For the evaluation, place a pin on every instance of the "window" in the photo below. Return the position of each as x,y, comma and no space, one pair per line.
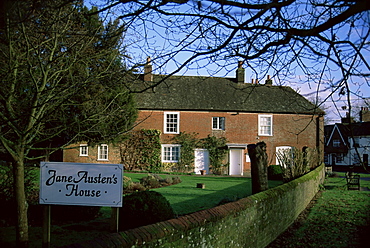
170,153
84,150
339,158
218,123
265,125
171,122
103,152
336,142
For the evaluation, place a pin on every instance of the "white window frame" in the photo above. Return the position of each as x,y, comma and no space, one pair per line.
220,125
101,156
260,125
165,123
84,150
171,151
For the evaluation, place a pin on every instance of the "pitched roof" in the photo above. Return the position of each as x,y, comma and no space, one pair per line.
222,94
358,129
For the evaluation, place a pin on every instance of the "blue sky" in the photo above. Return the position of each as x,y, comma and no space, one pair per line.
160,42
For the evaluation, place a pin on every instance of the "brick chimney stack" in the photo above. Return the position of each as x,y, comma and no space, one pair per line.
268,80
364,114
148,76
240,73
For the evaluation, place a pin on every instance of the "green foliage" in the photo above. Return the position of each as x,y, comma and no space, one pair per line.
142,150
7,194
144,208
127,182
217,152
150,181
188,142
62,214
274,172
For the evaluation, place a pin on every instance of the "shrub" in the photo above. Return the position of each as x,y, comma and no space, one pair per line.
150,181
134,187
176,180
61,213
275,172
167,181
144,208
127,182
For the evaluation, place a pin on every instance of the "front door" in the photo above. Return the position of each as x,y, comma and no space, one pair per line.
236,161
201,160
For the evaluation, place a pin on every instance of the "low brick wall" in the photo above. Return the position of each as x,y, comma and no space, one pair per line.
254,221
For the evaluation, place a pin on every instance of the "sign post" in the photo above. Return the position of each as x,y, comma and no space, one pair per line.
82,185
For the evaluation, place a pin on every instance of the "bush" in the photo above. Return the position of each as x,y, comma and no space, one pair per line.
144,208
134,187
61,213
127,182
151,181
275,172
176,180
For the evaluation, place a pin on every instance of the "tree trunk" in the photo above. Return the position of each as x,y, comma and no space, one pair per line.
21,203
258,156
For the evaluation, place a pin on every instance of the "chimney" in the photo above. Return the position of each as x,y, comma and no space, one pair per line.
240,73
348,119
148,76
268,81
364,114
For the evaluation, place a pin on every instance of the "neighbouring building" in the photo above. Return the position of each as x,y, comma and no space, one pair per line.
243,113
348,143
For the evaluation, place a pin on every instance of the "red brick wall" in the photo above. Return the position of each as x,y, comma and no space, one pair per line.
240,128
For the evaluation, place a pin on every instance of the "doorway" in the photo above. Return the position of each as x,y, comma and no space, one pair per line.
236,161
201,161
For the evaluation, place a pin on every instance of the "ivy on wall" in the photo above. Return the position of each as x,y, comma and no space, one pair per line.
142,150
217,152
188,142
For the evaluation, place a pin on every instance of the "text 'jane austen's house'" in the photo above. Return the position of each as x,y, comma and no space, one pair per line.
243,113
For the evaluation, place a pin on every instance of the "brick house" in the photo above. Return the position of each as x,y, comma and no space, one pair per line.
243,113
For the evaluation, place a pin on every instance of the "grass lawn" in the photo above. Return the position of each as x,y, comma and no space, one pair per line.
187,198
339,218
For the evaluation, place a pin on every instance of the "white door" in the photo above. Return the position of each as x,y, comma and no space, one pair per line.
201,161
236,161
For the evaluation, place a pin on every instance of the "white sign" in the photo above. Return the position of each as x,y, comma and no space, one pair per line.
81,184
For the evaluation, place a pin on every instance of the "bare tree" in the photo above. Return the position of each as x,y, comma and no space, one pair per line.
319,44
61,79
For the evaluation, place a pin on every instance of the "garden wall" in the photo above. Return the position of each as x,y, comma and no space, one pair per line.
254,221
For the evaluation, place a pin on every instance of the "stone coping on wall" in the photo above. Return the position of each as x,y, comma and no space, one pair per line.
174,228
